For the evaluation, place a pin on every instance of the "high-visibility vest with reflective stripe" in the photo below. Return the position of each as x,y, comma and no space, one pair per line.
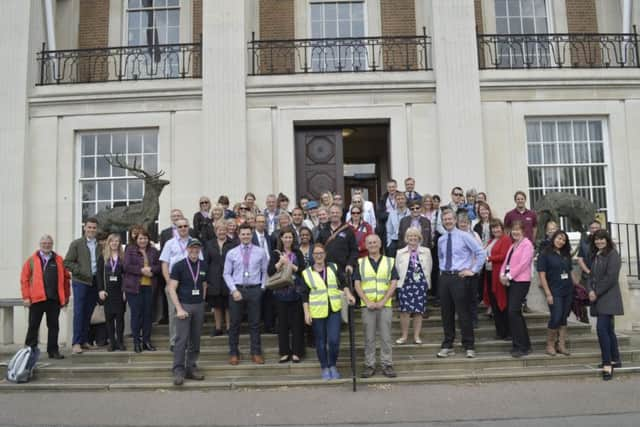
375,284
322,294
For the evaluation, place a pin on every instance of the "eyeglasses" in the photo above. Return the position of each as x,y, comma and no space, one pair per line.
242,208
183,226
318,253
458,194
355,212
415,208
204,203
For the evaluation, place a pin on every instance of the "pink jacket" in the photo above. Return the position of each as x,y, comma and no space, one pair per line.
520,262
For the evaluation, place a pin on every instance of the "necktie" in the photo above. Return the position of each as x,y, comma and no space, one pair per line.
246,254
449,253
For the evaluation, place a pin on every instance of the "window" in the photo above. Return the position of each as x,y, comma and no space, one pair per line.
151,23
333,20
104,186
567,155
517,17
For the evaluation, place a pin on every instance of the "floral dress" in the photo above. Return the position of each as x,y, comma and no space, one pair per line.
413,293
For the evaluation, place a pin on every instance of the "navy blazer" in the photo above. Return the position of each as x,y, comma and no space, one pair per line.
255,241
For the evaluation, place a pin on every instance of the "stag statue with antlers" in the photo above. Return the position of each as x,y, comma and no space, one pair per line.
119,219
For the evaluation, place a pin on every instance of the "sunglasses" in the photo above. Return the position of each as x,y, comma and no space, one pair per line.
355,212
415,208
183,226
243,209
204,203
458,194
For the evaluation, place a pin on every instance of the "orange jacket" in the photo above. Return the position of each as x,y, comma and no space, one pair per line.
32,282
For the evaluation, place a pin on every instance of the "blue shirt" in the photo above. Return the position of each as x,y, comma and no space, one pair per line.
393,224
467,254
558,272
235,272
92,245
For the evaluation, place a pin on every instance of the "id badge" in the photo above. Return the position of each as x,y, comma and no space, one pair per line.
113,278
246,274
195,292
564,276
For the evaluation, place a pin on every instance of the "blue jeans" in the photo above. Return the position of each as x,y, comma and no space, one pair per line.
85,298
559,311
141,304
327,333
607,339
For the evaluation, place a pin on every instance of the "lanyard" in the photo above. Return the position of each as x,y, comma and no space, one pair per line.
196,275
246,256
113,264
183,249
45,261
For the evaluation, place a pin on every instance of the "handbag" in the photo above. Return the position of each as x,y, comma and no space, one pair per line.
98,316
282,278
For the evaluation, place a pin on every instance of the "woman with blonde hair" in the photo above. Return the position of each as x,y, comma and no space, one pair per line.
413,263
326,199
109,278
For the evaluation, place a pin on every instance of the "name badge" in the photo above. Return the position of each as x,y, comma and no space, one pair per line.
195,292
113,278
246,274
564,276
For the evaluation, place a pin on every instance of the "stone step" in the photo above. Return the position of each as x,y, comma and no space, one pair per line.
159,369
453,376
219,352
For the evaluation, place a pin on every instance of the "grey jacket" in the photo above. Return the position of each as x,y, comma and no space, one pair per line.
78,261
604,282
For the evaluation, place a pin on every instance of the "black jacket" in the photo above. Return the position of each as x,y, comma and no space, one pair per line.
214,258
343,249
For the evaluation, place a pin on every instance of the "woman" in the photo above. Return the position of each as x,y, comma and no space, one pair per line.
604,294
549,230
361,229
217,291
232,228
288,300
482,228
322,302
306,245
326,199
217,213
202,221
515,273
133,233
413,263
427,207
495,294
224,202
110,290
554,269
283,203
250,202
141,271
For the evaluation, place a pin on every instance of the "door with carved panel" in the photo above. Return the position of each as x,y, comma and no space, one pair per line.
319,162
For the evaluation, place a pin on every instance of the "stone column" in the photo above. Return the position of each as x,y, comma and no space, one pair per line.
459,115
224,71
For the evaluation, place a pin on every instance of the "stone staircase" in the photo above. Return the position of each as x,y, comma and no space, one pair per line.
102,370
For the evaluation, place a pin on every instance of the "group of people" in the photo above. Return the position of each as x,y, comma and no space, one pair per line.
409,248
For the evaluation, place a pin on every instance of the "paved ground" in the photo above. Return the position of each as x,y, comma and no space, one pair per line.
548,403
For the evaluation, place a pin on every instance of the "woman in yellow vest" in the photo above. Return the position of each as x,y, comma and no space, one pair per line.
322,305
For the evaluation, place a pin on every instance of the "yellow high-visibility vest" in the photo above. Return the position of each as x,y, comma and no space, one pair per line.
375,284
322,294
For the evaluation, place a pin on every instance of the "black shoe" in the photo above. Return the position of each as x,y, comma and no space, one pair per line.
122,347
606,376
171,348
178,379
517,354
368,372
217,333
526,309
388,372
163,321
194,374
55,355
111,347
148,347
137,348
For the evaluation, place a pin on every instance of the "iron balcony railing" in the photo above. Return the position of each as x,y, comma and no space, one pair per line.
627,240
574,50
339,55
162,61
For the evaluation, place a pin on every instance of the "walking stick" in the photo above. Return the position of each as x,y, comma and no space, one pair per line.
352,335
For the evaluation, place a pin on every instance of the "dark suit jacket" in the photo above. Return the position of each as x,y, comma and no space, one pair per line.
255,241
214,258
167,234
405,223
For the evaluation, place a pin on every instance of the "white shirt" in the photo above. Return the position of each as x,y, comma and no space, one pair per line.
92,244
175,250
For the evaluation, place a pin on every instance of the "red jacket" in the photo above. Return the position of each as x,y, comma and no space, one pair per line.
32,282
497,257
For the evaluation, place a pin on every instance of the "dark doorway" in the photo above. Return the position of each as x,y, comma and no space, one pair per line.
341,158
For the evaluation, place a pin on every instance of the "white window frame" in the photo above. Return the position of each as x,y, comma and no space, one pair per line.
365,15
78,167
606,164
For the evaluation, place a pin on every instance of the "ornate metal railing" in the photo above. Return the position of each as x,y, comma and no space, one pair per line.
575,50
627,239
339,55
167,61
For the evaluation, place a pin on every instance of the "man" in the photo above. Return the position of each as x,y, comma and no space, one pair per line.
585,256
521,213
187,290
297,221
386,205
368,213
375,281
261,239
460,257
338,200
171,231
312,214
409,190
323,220
44,283
415,219
174,250
437,230
245,273
457,200
81,261
393,223
339,241
271,213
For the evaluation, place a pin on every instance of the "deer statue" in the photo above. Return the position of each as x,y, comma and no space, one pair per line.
578,211
119,219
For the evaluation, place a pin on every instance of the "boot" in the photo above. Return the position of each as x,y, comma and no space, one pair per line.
551,341
562,341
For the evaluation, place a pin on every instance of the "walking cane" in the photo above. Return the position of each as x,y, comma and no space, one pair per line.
352,334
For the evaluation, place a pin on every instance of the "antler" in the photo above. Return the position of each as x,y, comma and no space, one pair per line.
120,162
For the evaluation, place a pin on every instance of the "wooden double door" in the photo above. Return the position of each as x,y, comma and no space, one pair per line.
319,161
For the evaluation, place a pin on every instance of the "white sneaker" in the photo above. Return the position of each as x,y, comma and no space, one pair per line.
471,354
445,352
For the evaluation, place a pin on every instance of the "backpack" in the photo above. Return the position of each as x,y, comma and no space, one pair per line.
20,368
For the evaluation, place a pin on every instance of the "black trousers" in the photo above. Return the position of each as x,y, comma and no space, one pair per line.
269,311
290,328
435,271
115,327
52,309
516,293
454,299
250,303
500,318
